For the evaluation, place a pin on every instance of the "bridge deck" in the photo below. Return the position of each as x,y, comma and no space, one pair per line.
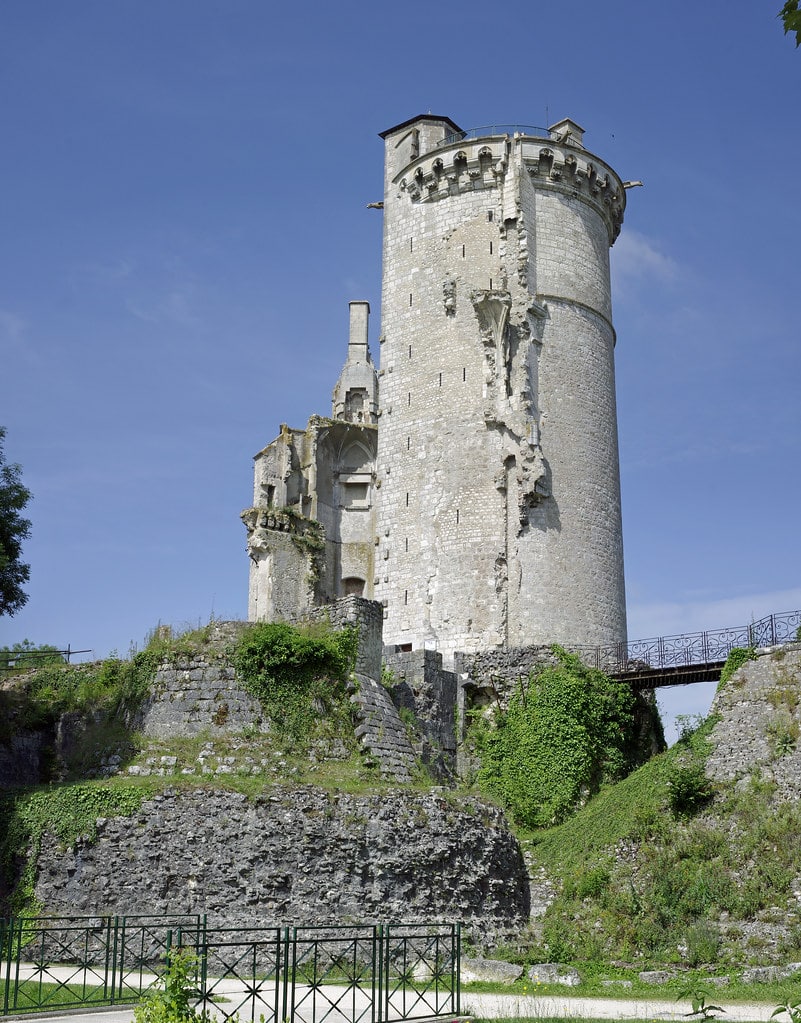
682,675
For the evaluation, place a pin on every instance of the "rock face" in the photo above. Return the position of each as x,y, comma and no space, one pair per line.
297,855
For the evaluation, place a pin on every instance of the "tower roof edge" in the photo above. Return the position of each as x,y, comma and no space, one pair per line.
414,120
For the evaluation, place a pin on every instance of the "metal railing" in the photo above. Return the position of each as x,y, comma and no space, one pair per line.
334,974
22,660
496,129
694,648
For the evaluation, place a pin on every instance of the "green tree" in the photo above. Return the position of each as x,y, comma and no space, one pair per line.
13,530
791,19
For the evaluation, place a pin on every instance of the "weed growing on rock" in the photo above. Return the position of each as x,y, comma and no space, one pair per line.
738,656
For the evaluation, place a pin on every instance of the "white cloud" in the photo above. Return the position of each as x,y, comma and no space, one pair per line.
12,327
637,259
674,618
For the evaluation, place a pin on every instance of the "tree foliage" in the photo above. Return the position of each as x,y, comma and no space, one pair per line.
13,530
791,19
26,656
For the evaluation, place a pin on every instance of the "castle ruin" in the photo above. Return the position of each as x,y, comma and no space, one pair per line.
471,483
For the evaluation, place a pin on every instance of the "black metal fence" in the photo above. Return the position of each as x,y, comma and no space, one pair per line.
691,648
336,974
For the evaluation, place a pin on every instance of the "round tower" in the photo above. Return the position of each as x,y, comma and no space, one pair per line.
499,500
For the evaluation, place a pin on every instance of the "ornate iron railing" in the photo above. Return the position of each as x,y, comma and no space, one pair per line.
695,648
336,974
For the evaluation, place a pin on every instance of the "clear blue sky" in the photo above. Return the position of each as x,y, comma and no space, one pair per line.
183,200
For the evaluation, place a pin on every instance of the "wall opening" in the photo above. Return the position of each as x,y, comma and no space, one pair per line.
352,586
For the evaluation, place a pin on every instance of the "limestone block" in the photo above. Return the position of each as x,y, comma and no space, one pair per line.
494,971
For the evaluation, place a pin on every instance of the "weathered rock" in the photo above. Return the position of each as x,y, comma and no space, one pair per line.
554,973
494,971
297,855
762,974
654,976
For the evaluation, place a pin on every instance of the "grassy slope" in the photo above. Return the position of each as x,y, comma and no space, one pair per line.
645,882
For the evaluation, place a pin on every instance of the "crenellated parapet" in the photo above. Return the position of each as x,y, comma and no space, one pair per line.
556,163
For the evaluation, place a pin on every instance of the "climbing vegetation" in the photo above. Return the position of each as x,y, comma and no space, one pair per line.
297,673
737,658
565,731
64,813
43,695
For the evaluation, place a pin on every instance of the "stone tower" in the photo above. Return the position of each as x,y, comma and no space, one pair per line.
499,494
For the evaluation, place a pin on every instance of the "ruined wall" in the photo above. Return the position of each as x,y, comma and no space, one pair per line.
366,616
760,722
499,504
420,684
296,855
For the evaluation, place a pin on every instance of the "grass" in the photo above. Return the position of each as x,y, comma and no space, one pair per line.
34,996
592,986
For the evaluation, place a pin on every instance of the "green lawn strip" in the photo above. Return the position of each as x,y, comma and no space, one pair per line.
734,992
33,995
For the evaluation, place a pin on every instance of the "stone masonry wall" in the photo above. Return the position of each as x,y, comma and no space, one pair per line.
760,722
381,731
366,615
491,676
296,855
421,685
200,693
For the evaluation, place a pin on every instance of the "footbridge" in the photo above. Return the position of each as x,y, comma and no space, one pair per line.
692,657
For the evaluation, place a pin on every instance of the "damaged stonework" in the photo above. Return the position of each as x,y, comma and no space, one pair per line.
311,528
286,552
510,352
296,854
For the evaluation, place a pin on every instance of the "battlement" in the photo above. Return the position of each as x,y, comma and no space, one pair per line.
462,164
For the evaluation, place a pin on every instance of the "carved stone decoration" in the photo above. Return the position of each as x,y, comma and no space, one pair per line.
449,297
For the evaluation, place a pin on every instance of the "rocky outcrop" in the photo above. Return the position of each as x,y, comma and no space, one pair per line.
297,855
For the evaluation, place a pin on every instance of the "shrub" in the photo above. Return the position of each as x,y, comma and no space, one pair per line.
170,1002
688,788
736,659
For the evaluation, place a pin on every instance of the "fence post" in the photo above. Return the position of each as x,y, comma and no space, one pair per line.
285,984
457,965
6,933
378,967
204,964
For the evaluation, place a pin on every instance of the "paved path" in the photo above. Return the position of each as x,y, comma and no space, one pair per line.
504,1007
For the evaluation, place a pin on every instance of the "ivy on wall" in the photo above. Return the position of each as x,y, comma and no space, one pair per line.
296,673
566,730
64,813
